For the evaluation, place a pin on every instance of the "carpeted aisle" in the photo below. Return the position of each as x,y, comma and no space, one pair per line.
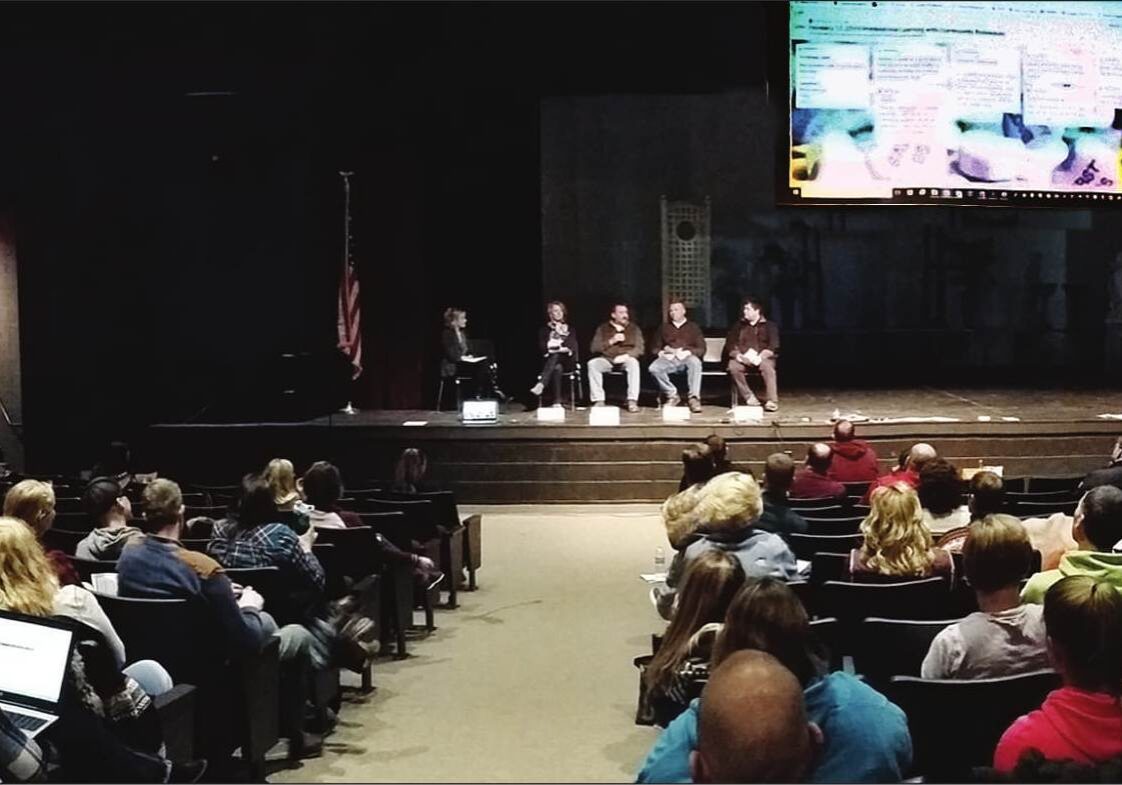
530,680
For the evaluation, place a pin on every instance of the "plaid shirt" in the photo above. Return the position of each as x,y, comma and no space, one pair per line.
268,545
21,760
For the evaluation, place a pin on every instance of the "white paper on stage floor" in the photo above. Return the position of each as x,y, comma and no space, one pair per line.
416,422
1010,419
918,419
1110,416
653,577
472,359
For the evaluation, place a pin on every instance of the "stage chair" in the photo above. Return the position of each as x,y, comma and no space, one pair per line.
893,647
1038,484
712,366
955,725
55,539
480,347
237,700
804,546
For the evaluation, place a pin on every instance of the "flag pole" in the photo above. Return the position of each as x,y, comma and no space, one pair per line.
347,271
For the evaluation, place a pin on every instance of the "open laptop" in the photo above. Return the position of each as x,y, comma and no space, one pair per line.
479,412
34,655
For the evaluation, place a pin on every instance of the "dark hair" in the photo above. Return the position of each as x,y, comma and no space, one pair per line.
902,458
100,497
997,553
450,315
114,461
697,464
256,505
410,470
323,485
1033,767
1102,516
1083,617
818,457
987,494
940,488
754,302
767,615
779,471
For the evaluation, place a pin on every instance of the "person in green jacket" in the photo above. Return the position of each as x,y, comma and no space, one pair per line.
1097,528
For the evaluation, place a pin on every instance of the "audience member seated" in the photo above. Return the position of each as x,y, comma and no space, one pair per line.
710,583
1004,637
864,736
254,538
1097,527
897,543
1081,721
811,481
753,726
410,472
33,502
116,464
111,512
987,497
853,460
907,473
280,476
1035,768
1110,475
96,682
778,517
702,462
679,518
726,514
940,495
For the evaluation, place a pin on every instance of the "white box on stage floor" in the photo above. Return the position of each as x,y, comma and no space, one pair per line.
741,414
603,415
675,414
551,414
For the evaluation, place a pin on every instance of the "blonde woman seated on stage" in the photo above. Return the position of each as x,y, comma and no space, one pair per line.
1005,637
710,583
897,543
726,514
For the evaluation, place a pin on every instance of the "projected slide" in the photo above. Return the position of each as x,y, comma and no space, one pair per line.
907,101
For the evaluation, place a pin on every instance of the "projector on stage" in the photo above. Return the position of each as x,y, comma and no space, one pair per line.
551,414
603,415
743,414
675,414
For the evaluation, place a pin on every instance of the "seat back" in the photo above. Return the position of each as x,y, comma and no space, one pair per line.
955,725
894,647
355,550
269,583
395,526
1024,509
73,521
714,350
833,526
87,567
420,514
805,546
828,634
825,566
856,488
927,598
62,540
445,512
816,503
1038,484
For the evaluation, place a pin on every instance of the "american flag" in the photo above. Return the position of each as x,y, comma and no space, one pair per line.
350,318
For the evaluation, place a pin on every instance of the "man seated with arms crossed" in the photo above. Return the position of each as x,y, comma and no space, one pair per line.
753,342
616,343
680,346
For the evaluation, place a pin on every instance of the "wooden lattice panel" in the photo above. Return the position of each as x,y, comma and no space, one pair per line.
686,248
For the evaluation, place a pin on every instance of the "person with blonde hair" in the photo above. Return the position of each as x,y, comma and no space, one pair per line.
33,502
557,343
1004,637
726,515
456,357
897,543
710,583
280,476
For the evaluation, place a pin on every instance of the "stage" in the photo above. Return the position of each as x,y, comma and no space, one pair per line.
1030,432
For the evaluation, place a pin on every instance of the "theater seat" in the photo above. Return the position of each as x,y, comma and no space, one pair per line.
893,647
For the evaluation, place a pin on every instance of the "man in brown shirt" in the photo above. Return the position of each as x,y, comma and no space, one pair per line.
617,343
680,346
753,342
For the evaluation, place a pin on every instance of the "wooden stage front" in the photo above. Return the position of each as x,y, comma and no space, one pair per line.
1029,432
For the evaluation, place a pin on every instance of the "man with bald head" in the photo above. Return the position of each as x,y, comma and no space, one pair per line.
812,482
854,460
752,725
918,456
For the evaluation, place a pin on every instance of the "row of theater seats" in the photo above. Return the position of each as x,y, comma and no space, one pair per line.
235,703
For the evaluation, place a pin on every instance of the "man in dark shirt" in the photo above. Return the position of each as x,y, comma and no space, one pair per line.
617,343
753,342
1111,475
680,346
811,481
778,517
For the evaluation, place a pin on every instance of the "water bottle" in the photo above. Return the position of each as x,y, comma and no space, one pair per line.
660,560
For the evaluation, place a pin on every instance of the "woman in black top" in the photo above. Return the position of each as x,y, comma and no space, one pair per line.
558,344
458,360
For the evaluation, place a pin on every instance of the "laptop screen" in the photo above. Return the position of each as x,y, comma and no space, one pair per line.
33,659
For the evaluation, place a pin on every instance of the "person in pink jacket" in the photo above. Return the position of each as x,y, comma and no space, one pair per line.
1081,721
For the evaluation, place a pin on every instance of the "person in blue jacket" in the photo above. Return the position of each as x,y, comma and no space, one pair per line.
864,736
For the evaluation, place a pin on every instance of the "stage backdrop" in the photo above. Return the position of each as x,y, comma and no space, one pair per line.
904,294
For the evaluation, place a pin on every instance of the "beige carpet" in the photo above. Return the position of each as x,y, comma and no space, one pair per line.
530,680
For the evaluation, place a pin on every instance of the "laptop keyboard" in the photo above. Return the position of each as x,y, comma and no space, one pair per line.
25,722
